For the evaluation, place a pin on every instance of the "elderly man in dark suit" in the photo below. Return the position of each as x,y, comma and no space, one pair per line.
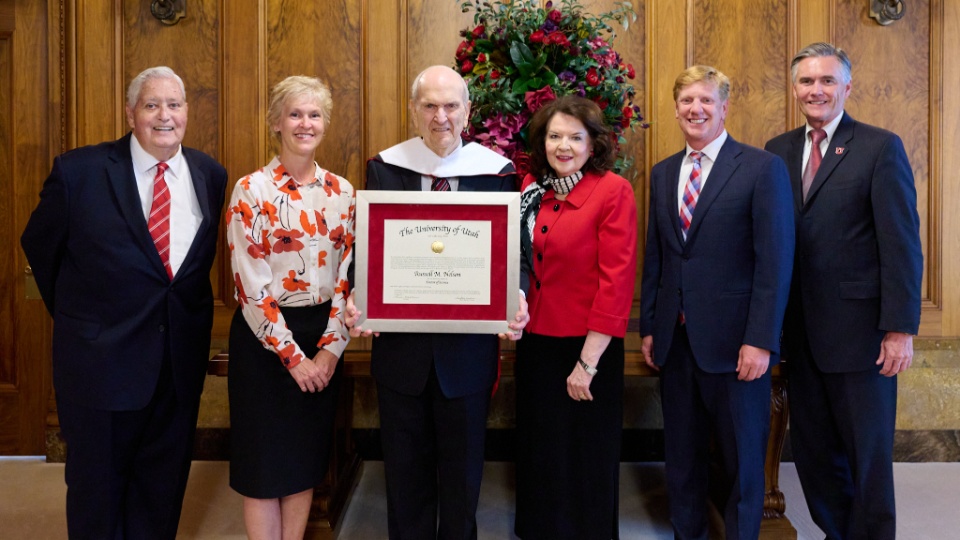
716,274
121,245
434,389
855,301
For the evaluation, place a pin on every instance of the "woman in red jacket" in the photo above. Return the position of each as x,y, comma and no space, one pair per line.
578,237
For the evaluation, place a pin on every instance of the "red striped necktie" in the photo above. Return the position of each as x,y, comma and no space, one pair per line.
159,222
691,193
439,184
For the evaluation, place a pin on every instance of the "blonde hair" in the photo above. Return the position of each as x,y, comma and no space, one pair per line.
296,86
707,74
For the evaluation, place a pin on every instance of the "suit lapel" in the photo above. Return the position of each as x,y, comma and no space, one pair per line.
795,166
123,180
672,182
200,183
727,162
412,181
836,152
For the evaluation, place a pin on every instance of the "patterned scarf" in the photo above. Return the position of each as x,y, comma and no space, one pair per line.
530,207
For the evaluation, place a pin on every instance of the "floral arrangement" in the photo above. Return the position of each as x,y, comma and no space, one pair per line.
520,56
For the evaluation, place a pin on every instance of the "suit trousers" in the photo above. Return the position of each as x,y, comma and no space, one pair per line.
696,406
841,432
126,471
433,449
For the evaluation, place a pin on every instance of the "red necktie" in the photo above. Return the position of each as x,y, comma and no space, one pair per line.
691,192
813,162
439,184
159,222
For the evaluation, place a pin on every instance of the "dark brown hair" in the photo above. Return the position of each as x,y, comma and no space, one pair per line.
590,115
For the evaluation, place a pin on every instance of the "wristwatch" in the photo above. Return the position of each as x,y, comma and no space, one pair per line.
587,367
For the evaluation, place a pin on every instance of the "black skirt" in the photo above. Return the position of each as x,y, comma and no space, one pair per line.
280,437
568,452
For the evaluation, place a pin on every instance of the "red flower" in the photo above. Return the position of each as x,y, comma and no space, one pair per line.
630,71
327,339
271,212
557,38
256,250
287,241
602,103
337,237
477,32
521,161
535,100
593,78
290,188
481,58
241,294
466,67
245,212
555,16
537,37
331,184
288,356
292,284
321,259
270,309
628,112
463,50
494,74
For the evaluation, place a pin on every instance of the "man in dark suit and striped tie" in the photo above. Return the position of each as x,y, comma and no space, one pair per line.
854,303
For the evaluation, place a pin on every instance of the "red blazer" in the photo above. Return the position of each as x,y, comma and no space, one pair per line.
585,259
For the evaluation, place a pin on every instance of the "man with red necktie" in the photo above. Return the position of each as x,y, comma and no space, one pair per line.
854,303
716,273
121,244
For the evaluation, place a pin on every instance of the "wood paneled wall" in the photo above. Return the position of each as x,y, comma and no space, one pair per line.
231,53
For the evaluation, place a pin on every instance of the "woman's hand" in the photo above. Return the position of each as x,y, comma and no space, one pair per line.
326,363
578,383
307,376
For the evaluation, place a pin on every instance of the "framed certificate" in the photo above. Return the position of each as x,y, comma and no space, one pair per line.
437,261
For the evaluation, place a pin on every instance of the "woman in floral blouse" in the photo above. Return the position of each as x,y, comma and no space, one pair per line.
290,230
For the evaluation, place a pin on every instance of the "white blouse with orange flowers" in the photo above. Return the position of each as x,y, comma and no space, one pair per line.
291,245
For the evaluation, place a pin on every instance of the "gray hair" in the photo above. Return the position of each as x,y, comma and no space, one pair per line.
415,88
158,72
818,50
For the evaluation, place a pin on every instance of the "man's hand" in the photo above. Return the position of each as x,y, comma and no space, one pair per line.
646,349
351,318
896,353
752,363
519,322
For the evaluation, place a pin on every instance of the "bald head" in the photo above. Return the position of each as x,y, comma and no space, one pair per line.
440,107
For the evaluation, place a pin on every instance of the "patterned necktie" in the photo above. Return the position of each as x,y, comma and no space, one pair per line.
439,184
813,162
691,192
159,222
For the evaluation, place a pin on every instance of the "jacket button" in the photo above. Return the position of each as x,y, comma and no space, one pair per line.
162,328
556,207
543,229
538,285
539,256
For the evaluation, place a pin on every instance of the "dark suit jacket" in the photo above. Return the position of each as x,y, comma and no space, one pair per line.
115,311
859,265
465,363
732,274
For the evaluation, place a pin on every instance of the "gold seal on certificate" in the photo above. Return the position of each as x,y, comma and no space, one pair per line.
437,247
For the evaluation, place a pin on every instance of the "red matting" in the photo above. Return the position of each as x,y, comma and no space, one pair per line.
495,214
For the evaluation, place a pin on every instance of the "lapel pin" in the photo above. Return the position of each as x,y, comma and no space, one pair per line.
838,150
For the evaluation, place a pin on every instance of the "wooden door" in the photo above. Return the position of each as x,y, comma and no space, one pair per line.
25,150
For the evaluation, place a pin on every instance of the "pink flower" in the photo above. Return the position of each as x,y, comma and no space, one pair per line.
539,98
